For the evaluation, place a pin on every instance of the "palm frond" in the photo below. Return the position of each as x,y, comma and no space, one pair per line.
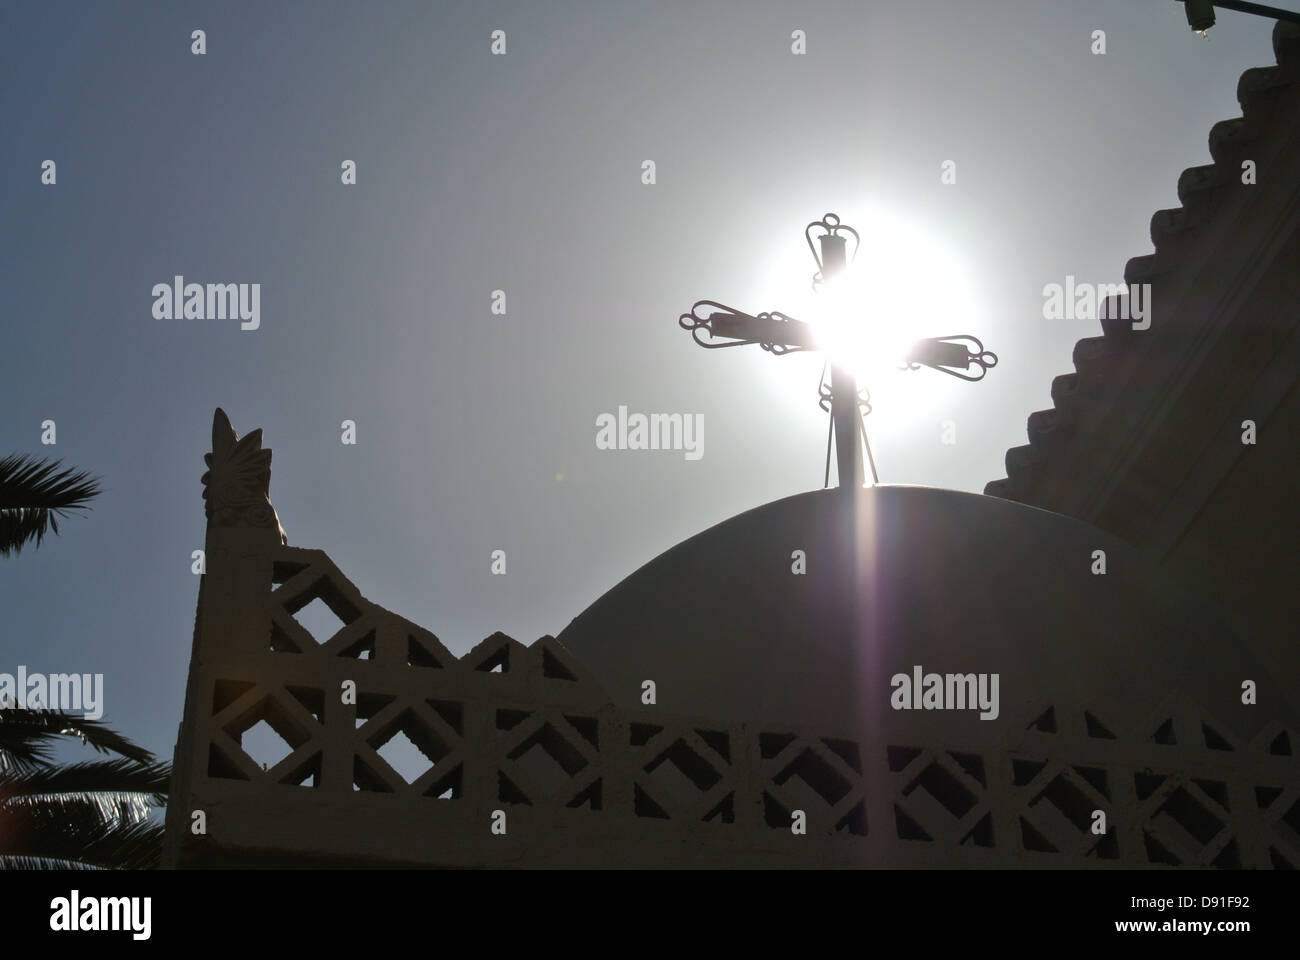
38,833
117,788
34,494
24,862
25,735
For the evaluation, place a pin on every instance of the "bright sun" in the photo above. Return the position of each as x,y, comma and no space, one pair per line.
901,286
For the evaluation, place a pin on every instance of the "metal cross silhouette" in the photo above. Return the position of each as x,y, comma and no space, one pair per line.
846,402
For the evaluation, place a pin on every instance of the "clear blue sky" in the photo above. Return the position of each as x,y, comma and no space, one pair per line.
477,432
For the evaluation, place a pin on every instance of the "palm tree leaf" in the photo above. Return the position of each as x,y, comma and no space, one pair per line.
24,862
34,493
24,736
132,846
141,783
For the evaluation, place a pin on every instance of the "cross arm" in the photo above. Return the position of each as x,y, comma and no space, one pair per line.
772,331
953,355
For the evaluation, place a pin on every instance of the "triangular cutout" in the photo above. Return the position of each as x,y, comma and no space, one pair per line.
448,787
452,713
419,655
1034,840
1147,784
588,797
284,570
1095,778
369,704
718,741
1281,745
776,816
365,777
1096,728
908,829
644,806
1264,796
313,701
1023,771
221,766
304,774
1165,733
507,792
1213,739
724,811
770,744
1046,721
855,821
553,669
1157,852
846,750
972,763
498,661
980,835
361,649
1216,790
281,642
1106,847
588,727
1228,859
642,732
226,692
509,719
900,757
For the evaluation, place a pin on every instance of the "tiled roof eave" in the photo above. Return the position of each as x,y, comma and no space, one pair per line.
1100,445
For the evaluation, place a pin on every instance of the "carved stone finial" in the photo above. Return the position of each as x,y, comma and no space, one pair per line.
237,483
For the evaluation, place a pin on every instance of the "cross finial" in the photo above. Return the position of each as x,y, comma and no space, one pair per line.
779,334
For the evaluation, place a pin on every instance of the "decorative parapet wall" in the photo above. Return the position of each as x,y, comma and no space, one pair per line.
637,787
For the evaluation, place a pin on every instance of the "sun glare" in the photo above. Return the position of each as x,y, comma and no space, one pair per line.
902,285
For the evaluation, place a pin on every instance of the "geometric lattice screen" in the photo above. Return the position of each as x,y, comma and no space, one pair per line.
525,730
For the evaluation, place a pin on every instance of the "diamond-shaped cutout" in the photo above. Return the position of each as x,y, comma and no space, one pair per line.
267,732
404,757
264,745
827,785
944,788
1190,816
682,774
548,758
321,609
1068,800
319,620
408,745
